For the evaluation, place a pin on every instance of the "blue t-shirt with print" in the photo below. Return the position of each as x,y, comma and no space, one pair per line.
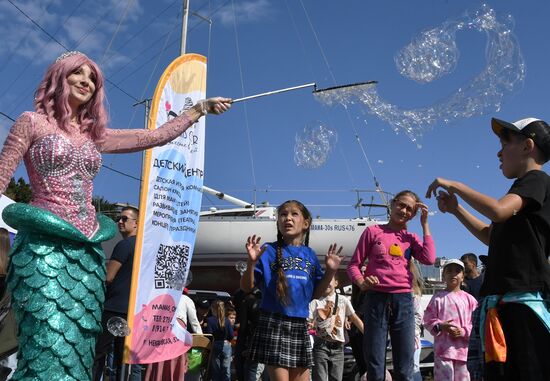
303,273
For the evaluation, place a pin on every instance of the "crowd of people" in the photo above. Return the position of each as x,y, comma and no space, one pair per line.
497,330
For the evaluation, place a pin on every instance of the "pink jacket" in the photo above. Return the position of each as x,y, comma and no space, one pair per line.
458,307
386,254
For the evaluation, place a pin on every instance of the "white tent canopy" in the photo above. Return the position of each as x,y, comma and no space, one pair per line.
5,201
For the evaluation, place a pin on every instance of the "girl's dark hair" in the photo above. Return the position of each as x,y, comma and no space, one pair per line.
282,284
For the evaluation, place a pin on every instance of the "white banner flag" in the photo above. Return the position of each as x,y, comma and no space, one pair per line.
170,202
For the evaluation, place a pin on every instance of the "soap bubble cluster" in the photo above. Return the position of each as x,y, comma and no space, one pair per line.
313,145
241,267
433,55
430,56
118,326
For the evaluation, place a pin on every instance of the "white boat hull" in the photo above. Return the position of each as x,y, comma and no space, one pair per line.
220,243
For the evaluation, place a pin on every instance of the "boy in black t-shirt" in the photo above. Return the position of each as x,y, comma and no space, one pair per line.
517,279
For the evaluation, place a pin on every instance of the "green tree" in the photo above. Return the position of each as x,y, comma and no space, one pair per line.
19,191
105,207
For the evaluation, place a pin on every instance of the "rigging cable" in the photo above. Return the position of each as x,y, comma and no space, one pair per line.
301,41
95,24
102,60
53,38
7,89
66,48
243,93
24,38
103,165
145,26
154,43
352,125
209,20
148,83
158,57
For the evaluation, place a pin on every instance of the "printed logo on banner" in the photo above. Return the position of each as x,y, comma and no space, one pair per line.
189,138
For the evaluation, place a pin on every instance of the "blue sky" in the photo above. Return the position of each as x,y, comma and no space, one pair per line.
259,45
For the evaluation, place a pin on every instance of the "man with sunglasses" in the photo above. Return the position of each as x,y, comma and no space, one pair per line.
119,277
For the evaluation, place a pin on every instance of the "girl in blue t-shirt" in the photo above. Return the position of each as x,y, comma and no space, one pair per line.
290,276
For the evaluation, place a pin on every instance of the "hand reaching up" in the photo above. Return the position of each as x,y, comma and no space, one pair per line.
333,258
447,202
253,248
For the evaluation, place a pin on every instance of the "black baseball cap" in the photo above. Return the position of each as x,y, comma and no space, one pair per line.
533,128
204,303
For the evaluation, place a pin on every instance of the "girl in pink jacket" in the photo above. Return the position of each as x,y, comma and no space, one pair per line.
449,318
387,251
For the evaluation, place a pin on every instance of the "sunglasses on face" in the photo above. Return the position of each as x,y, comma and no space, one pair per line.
124,218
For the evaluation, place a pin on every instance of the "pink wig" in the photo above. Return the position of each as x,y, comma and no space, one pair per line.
52,97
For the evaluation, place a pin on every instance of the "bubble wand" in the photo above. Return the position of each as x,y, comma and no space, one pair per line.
313,84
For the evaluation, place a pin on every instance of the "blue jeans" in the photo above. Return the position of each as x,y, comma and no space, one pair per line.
221,361
417,375
394,314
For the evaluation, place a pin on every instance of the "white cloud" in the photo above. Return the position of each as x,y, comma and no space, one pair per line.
135,10
18,34
23,39
245,11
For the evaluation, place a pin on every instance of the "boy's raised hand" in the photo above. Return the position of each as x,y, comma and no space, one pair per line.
439,182
333,258
447,202
253,248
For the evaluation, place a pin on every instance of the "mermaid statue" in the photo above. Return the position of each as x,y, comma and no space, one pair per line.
57,267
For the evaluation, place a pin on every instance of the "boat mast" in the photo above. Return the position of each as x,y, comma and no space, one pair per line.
226,197
184,27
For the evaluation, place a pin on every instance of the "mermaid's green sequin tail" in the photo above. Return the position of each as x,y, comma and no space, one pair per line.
57,279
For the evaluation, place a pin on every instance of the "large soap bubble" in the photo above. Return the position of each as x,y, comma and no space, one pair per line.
118,326
431,56
314,145
241,267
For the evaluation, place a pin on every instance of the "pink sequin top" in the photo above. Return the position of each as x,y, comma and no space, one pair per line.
61,166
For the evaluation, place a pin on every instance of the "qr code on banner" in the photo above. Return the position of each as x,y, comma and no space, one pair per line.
170,266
